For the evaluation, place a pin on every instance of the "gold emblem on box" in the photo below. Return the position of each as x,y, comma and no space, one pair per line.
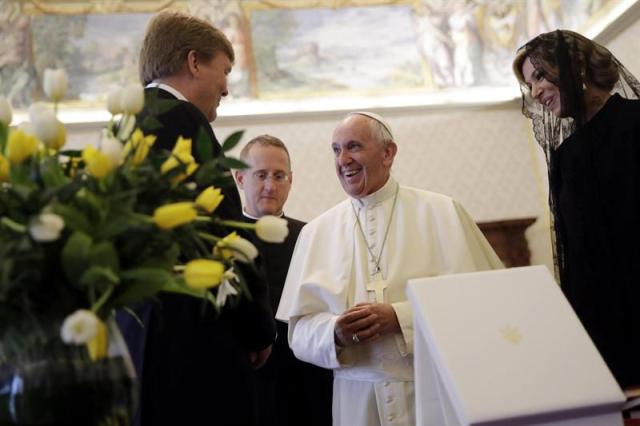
511,334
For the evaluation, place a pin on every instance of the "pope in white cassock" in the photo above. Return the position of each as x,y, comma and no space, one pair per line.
344,296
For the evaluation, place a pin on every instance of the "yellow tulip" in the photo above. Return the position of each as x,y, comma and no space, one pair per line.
203,273
182,146
140,144
171,215
99,343
60,138
20,146
181,154
4,169
210,199
97,163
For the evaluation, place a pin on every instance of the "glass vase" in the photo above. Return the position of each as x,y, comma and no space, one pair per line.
49,382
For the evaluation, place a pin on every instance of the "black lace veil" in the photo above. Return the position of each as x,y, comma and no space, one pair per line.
565,58
570,61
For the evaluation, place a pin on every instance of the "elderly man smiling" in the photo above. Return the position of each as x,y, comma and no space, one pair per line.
345,297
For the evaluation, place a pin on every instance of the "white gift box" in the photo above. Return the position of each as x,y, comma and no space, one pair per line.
505,347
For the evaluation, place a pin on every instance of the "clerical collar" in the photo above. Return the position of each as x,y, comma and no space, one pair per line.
244,212
387,191
175,92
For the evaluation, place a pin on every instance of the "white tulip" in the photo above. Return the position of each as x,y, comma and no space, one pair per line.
26,127
44,123
132,98
55,83
226,289
79,327
126,127
5,111
114,101
46,227
272,229
111,147
243,250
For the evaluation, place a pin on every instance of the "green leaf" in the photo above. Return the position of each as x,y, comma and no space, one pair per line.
114,227
204,146
178,287
206,171
21,192
151,123
98,276
157,106
164,105
73,218
150,275
232,163
141,283
215,179
104,254
163,259
75,255
232,140
73,153
52,173
21,176
96,207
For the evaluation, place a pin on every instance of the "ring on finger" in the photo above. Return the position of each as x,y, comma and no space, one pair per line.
355,338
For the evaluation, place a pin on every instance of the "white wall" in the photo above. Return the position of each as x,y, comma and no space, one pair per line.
485,157
477,155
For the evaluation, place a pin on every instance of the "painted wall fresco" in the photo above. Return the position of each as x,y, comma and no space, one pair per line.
287,49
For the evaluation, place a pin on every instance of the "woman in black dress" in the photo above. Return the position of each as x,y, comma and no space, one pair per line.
586,116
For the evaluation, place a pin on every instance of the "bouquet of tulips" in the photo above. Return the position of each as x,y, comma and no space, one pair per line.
85,232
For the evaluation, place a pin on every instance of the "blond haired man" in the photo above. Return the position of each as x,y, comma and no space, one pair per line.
190,361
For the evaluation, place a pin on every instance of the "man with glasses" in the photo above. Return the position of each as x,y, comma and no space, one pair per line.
292,392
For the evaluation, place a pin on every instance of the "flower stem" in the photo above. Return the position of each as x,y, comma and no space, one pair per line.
13,225
209,237
236,224
102,300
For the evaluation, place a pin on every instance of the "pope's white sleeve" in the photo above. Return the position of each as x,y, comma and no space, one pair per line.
311,339
483,255
404,341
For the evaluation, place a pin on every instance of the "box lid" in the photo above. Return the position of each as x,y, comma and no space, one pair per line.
507,344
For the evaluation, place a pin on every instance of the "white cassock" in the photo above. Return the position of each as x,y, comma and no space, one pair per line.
430,234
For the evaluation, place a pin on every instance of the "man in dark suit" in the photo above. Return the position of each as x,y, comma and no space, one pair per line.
195,367
292,392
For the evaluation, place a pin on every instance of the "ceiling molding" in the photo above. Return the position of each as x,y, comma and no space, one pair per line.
621,17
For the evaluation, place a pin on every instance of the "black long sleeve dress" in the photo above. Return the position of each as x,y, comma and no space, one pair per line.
595,187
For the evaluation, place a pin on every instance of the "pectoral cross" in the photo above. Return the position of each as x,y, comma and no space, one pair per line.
377,288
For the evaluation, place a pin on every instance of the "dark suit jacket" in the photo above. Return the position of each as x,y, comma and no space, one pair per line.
194,365
292,392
